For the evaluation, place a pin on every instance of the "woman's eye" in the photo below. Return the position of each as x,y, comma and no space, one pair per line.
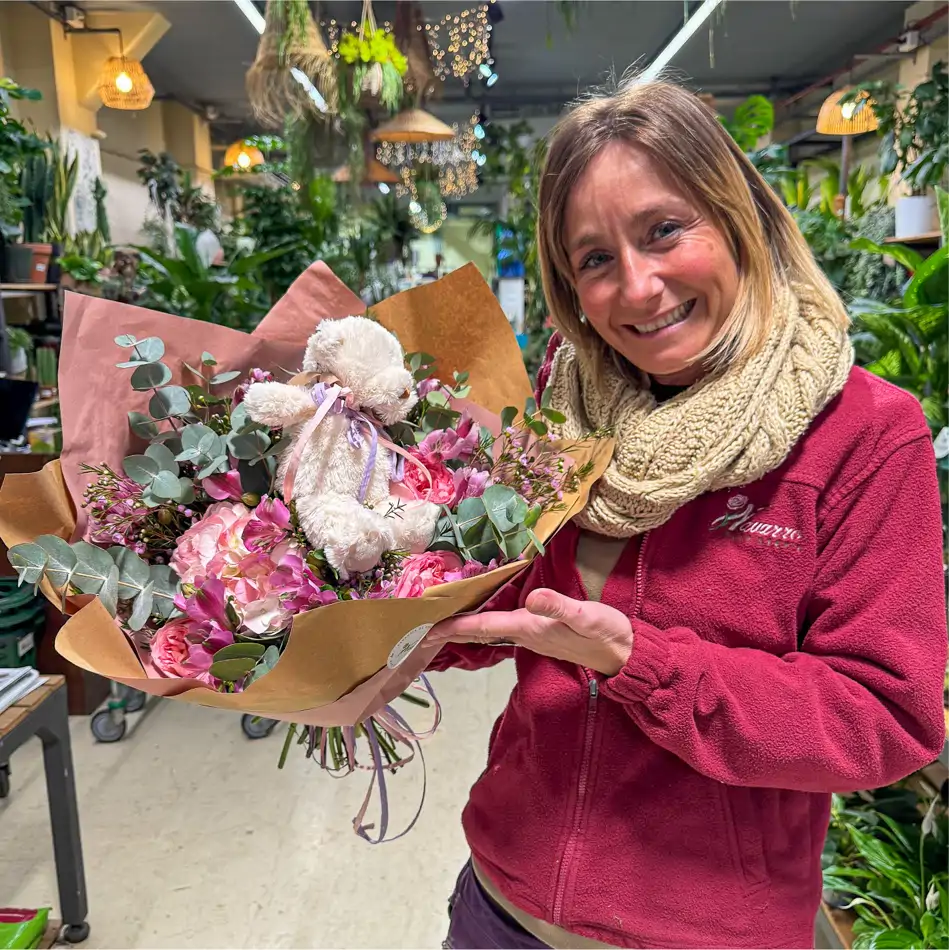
594,259
666,229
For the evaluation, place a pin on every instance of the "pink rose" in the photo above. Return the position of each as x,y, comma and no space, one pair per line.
443,484
420,571
212,545
170,649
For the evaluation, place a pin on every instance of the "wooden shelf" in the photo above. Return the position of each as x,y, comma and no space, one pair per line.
931,237
834,926
28,288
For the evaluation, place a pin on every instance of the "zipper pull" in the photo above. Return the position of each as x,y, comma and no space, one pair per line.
594,689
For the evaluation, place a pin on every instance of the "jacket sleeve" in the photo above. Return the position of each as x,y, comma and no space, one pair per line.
476,656
859,704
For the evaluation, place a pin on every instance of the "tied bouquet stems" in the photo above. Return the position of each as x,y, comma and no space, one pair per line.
205,557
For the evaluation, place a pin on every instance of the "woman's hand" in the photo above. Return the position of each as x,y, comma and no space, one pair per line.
585,632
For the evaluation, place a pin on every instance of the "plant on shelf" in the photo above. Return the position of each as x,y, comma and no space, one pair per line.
913,126
82,270
21,346
17,144
891,871
191,285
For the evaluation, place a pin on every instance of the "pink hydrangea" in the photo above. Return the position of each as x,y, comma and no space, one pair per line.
420,571
215,539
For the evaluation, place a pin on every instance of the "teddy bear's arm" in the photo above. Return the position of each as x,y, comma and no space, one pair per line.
278,404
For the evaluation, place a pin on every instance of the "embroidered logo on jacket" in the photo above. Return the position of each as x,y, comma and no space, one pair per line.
740,518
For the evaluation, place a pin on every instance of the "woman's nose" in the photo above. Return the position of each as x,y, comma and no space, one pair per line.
640,284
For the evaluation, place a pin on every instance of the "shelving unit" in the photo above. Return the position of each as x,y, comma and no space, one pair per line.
929,238
833,929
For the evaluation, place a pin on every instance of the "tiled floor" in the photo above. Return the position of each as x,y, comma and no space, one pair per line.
193,838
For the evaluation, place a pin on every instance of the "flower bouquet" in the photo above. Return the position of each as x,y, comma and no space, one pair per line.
282,547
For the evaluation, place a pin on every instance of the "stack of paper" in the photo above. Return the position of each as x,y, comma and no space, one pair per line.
16,683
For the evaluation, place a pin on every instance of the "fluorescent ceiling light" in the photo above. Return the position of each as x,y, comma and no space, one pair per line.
257,21
678,42
252,13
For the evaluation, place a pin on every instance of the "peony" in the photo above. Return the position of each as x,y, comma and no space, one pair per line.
212,544
443,484
419,571
170,649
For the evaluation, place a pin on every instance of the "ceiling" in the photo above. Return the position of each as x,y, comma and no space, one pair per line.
776,47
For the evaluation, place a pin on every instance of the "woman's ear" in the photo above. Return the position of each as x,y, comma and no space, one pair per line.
278,404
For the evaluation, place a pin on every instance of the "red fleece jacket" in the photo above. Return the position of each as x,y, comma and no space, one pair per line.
790,641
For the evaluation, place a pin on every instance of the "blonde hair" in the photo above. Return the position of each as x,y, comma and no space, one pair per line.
686,140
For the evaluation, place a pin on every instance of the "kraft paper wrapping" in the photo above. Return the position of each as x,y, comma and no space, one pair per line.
334,669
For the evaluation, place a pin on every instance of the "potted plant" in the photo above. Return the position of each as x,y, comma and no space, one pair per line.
913,129
17,144
21,346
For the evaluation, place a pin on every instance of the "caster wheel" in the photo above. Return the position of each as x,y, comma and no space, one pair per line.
106,729
134,700
75,933
257,728
4,780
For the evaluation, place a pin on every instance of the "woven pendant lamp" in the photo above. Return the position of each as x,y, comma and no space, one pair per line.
242,157
290,41
420,79
853,118
123,83
374,173
413,125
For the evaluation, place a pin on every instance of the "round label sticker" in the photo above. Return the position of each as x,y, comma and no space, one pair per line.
407,644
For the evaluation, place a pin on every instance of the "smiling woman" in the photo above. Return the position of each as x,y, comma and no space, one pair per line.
722,637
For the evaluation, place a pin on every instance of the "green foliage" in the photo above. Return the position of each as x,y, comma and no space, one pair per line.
750,121
47,182
84,270
892,872
868,276
102,219
913,126
115,576
19,339
190,286
174,195
17,144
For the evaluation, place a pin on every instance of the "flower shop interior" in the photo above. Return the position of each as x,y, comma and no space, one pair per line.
195,158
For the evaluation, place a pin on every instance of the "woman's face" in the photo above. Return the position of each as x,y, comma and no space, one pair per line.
655,278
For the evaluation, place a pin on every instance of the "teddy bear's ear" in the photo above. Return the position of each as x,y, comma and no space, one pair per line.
323,346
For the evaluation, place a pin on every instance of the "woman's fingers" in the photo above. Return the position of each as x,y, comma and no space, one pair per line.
555,606
488,627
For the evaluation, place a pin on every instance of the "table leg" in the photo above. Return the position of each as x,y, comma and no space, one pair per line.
64,816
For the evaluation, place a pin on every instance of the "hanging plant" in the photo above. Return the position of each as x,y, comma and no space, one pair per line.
291,47
371,63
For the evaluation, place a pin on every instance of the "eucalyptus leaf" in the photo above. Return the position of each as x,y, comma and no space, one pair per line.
141,608
437,398
250,445
109,591
536,541
165,587
530,406
149,350
508,416
186,494
126,339
164,456
170,401
230,671
61,559
242,650
93,569
29,561
216,466
239,417
267,662
255,479
141,468
552,415
208,359
142,426
150,376
220,378
166,486
133,571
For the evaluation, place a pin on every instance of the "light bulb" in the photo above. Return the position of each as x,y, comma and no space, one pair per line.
384,188
244,160
484,70
123,82
492,79
479,131
848,110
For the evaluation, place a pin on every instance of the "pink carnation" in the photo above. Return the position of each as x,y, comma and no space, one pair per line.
443,484
420,571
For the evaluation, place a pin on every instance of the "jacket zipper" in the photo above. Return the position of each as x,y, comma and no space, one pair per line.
593,691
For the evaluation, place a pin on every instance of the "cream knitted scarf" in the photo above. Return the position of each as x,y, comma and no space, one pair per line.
726,430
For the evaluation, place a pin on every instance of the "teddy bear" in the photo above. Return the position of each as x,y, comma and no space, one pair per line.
341,486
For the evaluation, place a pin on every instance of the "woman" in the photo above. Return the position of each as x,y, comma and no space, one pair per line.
749,613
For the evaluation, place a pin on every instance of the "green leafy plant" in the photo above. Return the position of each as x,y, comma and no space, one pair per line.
17,144
913,126
19,339
84,270
190,286
892,873
65,169
750,121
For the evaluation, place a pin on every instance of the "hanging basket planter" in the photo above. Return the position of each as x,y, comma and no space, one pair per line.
291,49
371,65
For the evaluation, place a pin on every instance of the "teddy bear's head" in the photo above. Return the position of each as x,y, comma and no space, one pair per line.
367,359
